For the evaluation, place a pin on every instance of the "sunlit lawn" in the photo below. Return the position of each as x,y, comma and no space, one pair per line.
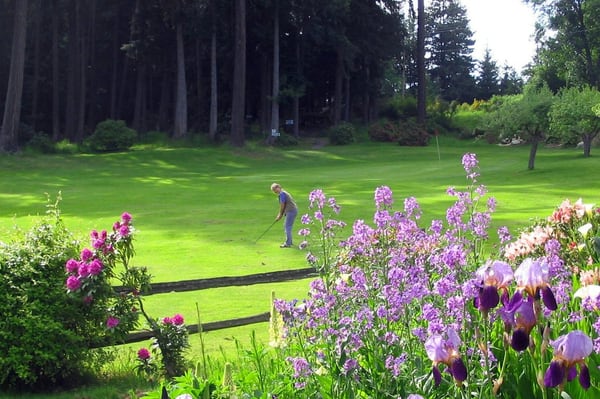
199,211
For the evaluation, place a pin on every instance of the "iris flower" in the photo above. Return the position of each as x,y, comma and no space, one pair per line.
494,278
519,316
445,351
570,351
532,277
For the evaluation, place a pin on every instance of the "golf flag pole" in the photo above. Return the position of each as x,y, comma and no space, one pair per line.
437,142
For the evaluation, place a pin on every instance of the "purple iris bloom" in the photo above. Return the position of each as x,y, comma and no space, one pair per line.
444,350
519,316
494,277
532,276
570,351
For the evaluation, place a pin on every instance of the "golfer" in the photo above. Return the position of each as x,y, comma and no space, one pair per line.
287,208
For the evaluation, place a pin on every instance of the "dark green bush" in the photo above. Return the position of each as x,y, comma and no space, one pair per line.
341,134
40,344
384,130
285,140
41,143
407,133
399,107
111,136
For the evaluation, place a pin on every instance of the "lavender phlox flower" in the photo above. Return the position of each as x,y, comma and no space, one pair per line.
494,277
480,221
394,364
414,396
532,277
570,351
470,164
504,234
316,199
383,197
519,316
454,256
412,209
436,226
444,350
482,190
381,218
589,295
318,215
333,205
306,219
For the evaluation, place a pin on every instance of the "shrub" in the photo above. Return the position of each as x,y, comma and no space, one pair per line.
41,143
40,339
407,133
341,134
110,136
285,140
400,107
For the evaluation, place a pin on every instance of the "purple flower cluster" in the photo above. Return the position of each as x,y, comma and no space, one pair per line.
396,286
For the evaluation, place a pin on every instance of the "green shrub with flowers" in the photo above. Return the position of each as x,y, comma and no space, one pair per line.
90,280
403,309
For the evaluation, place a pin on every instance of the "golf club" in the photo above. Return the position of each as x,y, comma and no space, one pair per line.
265,232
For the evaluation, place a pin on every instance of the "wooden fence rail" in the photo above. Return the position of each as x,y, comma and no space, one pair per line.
218,282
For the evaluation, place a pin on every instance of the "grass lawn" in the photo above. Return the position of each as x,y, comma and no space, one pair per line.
199,211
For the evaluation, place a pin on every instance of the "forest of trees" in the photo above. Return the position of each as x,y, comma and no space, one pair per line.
219,67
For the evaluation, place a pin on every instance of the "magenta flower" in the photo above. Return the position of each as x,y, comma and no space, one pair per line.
72,266
178,319
126,217
532,277
95,267
167,320
493,276
143,354
112,322
86,254
445,351
73,283
570,351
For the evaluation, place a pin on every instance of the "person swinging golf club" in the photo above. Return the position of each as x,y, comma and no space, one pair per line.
287,208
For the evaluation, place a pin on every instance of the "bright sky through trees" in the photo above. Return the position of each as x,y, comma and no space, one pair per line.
506,27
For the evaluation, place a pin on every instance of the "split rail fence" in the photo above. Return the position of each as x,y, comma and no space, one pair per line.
219,282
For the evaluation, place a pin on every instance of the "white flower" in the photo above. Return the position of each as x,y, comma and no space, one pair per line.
585,229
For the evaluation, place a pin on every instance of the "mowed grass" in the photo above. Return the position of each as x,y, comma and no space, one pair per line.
199,211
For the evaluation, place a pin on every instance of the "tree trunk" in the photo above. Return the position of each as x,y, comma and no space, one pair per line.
347,96
166,90
139,113
114,73
14,90
339,83
275,91
533,151
239,76
296,101
37,18
212,124
587,143
367,96
180,128
55,75
421,100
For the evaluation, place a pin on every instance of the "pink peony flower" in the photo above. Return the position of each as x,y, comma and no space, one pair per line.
95,268
86,254
143,354
112,322
72,266
178,319
126,217
73,283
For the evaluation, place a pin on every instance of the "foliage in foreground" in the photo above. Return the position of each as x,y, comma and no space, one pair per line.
403,310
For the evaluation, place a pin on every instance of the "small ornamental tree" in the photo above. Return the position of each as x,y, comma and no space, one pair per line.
573,119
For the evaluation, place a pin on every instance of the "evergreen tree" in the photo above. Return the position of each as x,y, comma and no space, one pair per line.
449,41
487,80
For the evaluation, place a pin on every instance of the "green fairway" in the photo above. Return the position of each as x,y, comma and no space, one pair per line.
199,211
